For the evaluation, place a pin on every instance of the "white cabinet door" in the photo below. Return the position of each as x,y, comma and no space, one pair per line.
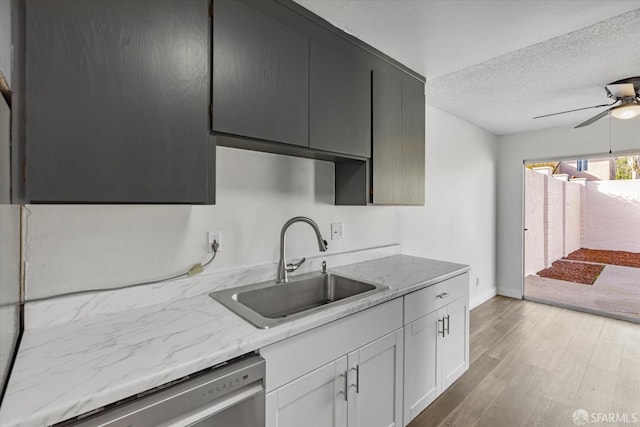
316,399
421,369
455,346
436,354
375,383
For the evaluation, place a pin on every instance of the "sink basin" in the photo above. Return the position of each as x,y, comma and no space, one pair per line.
269,304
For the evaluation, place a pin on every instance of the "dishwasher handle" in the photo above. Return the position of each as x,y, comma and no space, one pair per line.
227,402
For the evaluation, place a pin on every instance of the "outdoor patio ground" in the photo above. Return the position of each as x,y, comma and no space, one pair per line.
616,293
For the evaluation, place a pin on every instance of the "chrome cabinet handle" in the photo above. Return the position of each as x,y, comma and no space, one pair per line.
443,295
346,386
439,331
447,328
357,369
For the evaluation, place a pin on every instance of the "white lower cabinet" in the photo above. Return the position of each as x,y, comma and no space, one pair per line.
375,386
453,343
421,380
314,400
361,389
376,368
436,344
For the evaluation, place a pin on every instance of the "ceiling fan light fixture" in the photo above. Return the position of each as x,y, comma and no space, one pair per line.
626,111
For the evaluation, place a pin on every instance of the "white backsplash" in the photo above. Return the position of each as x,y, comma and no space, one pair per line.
80,306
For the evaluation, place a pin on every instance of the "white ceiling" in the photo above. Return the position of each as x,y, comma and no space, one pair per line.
498,63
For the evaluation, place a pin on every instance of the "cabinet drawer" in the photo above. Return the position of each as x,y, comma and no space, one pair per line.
424,301
293,357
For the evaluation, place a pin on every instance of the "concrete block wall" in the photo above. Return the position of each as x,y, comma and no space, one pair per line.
612,215
562,216
535,214
573,216
583,209
555,227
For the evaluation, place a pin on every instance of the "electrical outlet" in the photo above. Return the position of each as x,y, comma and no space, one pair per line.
214,236
477,282
337,231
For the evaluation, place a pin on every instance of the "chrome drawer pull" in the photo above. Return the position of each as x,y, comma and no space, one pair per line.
443,295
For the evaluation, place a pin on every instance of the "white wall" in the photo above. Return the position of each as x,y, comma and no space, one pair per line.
457,222
613,215
70,248
545,144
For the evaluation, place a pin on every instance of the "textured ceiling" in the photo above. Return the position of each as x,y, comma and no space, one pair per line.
564,73
498,63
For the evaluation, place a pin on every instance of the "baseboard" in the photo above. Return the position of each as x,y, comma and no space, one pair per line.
480,297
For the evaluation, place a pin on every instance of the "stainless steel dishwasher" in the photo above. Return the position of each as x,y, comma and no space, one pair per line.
229,395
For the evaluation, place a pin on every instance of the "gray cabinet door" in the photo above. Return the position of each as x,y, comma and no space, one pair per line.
340,102
117,96
387,139
413,142
260,75
398,139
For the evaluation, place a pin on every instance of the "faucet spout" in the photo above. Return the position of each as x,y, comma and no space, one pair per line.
283,267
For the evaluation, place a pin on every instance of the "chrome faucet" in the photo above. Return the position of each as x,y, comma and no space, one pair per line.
283,267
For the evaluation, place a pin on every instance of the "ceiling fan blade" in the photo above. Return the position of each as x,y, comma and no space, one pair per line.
624,90
593,119
577,109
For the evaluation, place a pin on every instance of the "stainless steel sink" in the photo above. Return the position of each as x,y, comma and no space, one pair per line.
269,304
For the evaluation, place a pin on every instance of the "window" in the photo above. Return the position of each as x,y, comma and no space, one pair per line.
582,165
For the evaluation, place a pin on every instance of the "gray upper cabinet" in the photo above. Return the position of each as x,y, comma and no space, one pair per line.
260,75
387,139
117,99
340,101
413,142
125,101
398,176
286,81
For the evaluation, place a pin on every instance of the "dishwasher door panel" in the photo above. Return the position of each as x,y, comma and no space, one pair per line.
232,395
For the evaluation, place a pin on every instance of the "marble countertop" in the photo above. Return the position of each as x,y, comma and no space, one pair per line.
67,369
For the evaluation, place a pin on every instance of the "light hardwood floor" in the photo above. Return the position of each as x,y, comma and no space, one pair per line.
533,364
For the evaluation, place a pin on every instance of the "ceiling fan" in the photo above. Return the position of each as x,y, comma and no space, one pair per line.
625,92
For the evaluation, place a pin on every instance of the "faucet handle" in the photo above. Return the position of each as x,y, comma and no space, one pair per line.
293,267
324,267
